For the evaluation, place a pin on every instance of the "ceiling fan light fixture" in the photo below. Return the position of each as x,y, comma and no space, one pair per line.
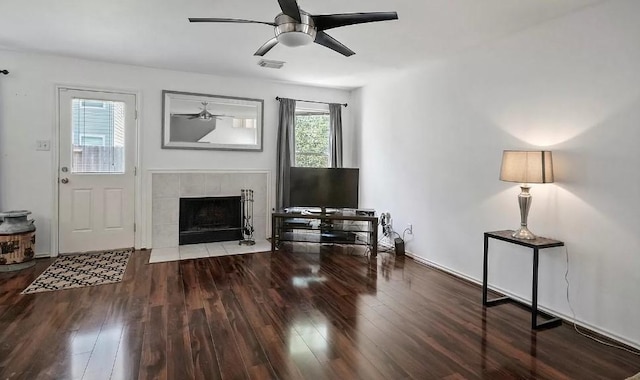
291,33
294,39
207,116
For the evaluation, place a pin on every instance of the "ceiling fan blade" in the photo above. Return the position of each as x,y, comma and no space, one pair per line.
185,114
194,116
326,40
264,49
236,20
324,22
291,9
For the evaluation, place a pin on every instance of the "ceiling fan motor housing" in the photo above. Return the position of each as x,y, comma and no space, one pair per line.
292,33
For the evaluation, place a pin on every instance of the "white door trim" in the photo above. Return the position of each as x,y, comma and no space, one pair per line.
55,215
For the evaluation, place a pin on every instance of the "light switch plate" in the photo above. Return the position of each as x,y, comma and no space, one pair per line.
43,144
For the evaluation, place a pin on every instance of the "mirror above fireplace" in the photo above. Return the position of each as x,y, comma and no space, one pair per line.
201,121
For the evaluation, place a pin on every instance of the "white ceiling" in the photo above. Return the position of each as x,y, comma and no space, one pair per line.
156,33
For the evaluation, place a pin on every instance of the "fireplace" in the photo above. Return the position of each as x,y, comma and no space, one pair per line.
166,187
210,219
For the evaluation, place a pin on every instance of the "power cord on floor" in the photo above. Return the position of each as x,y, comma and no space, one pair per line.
384,248
575,326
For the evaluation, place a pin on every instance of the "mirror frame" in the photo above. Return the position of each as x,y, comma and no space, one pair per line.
166,122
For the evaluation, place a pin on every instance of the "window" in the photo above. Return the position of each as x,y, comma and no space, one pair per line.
97,136
312,138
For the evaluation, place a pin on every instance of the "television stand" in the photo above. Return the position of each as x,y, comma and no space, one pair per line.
313,210
334,227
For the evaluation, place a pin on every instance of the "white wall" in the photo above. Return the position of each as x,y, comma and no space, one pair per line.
27,114
430,150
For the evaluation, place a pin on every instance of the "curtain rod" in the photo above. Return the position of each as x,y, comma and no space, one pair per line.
5,72
311,101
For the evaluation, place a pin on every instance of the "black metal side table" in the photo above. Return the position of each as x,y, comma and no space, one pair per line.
536,244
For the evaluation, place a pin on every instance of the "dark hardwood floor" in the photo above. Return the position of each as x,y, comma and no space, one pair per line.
305,312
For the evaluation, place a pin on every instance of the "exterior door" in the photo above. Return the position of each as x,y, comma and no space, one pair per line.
96,177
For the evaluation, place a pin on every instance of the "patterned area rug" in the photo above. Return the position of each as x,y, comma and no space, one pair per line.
79,270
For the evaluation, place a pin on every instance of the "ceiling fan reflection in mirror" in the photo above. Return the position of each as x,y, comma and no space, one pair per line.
295,27
202,115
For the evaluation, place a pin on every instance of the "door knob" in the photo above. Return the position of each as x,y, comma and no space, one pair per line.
65,180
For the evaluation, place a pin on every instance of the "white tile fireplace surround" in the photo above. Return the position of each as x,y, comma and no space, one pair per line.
167,187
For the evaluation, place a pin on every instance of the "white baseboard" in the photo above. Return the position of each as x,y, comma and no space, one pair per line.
567,318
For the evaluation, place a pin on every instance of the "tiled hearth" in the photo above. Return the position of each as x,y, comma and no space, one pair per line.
168,187
198,251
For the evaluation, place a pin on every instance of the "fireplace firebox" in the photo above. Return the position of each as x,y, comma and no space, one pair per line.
210,219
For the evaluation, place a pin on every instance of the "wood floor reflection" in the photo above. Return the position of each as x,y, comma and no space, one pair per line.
306,312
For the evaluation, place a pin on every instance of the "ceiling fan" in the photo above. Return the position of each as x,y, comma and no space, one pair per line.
295,27
202,115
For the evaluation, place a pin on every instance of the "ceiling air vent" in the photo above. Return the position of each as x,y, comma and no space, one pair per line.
270,64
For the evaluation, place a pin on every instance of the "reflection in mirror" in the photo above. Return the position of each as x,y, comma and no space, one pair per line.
200,121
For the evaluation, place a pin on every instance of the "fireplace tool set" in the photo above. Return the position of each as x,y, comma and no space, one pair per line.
246,200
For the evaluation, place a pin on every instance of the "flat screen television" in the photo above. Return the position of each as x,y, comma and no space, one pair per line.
323,187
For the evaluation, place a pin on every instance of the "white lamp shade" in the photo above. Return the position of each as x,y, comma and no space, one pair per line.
526,166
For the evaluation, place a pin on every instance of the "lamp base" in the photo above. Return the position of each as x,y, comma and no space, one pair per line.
524,234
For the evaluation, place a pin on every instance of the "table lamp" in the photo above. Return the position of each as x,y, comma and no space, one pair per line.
526,167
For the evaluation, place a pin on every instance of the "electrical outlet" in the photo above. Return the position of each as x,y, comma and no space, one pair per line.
410,229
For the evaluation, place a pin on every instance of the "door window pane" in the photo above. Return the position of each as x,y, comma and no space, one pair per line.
97,136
